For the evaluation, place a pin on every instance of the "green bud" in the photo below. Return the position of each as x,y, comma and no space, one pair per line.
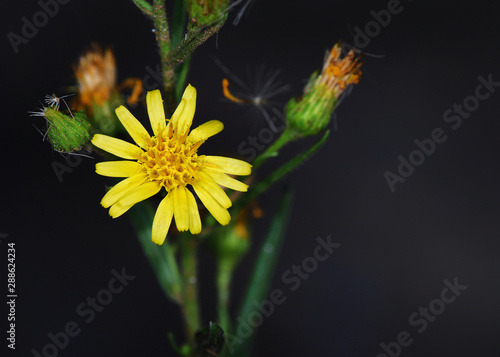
206,12
230,243
311,113
209,342
67,133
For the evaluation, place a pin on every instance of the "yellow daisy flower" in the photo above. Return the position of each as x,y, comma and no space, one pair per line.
169,159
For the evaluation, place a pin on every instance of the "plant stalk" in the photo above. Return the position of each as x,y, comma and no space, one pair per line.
224,274
159,17
189,303
286,136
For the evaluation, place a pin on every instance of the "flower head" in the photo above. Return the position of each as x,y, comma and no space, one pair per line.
96,75
98,92
310,113
169,159
340,71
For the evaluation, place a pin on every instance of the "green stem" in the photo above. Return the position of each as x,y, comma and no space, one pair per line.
190,305
224,274
286,136
159,17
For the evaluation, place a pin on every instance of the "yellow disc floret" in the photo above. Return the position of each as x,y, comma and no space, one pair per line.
170,160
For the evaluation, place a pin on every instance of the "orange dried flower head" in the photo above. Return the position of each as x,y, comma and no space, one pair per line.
340,71
311,113
96,75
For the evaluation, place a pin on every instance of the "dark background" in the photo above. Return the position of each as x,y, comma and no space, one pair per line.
396,248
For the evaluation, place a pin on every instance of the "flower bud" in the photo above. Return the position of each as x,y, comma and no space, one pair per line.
231,242
66,133
98,93
96,75
311,113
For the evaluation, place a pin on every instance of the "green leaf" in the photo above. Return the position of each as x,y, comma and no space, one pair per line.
178,22
181,75
144,6
161,257
194,38
263,272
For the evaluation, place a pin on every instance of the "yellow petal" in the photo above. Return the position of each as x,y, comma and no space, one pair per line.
215,190
142,192
156,112
133,126
117,147
181,212
183,115
226,181
220,213
205,130
118,168
162,220
122,188
194,214
227,165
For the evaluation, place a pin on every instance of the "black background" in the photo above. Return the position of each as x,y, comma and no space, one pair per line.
396,248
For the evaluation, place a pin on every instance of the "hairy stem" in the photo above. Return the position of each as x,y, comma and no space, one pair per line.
159,17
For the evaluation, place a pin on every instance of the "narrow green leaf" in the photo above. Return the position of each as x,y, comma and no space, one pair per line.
263,272
178,22
144,6
193,39
181,74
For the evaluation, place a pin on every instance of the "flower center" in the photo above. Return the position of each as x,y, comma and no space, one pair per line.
170,161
